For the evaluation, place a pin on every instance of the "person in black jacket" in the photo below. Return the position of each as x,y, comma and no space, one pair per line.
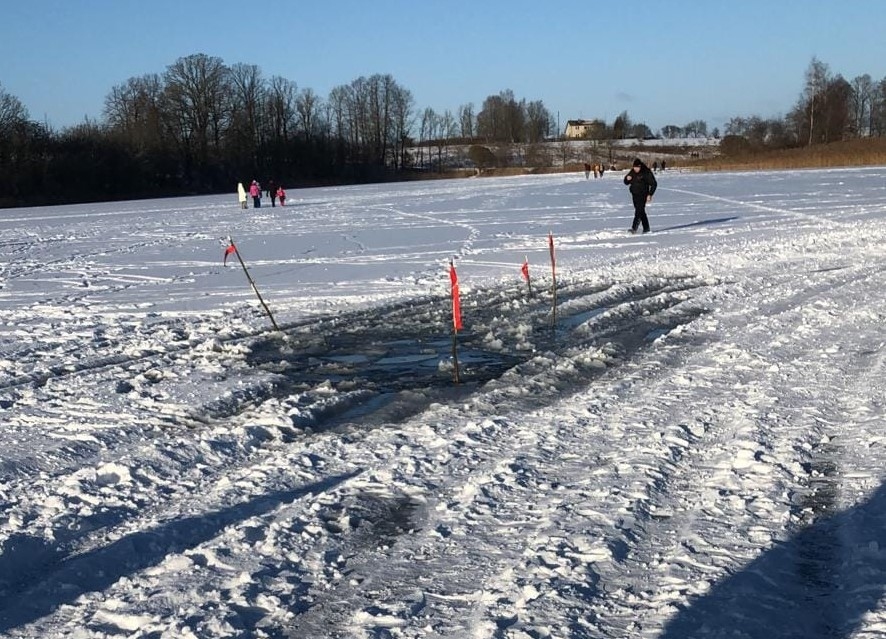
642,183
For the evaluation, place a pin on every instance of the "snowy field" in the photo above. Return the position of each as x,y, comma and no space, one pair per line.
694,449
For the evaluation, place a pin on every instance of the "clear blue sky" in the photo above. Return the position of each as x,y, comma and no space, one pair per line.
664,62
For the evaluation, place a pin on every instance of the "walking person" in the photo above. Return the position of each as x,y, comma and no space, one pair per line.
272,192
642,183
281,195
255,193
241,195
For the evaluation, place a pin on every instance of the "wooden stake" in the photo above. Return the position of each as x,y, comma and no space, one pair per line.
554,278
455,354
252,284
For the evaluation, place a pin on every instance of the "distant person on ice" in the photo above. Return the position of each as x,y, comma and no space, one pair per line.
255,193
281,195
642,184
272,192
241,195
587,170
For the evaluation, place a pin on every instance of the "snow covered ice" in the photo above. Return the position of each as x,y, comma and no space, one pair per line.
695,449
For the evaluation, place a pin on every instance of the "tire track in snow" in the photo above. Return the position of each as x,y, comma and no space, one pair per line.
649,500
606,305
661,492
741,437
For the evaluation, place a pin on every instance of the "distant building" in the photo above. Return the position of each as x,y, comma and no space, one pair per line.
593,129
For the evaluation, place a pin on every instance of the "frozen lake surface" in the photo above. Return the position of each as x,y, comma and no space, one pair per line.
695,448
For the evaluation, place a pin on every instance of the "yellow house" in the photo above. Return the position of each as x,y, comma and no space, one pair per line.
585,128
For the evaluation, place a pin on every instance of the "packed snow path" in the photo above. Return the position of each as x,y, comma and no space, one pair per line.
694,449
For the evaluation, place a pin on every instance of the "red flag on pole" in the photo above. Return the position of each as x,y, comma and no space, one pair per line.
456,301
231,248
525,270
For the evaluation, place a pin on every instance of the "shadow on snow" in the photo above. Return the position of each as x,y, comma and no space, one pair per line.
719,220
819,583
44,577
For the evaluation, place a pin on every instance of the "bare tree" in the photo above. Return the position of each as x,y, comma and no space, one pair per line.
696,129
641,131
375,115
467,120
307,106
246,101
621,126
402,116
818,76
382,91
427,132
281,107
196,99
877,124
491,119
339,122
12,112
539,122
448,131
862,93
351,118
515,117
837,110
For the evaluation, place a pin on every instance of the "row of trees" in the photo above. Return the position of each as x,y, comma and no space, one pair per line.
502,120
203,125
829,109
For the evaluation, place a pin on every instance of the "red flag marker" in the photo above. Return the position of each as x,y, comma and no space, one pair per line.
456,298
231,249
456,319
525,271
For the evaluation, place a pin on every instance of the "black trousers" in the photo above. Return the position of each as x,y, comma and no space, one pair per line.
640,213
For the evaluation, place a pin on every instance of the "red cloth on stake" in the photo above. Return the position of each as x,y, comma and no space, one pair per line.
456,301
228,251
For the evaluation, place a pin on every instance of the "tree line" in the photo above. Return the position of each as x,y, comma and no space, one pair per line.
828,109
202,125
